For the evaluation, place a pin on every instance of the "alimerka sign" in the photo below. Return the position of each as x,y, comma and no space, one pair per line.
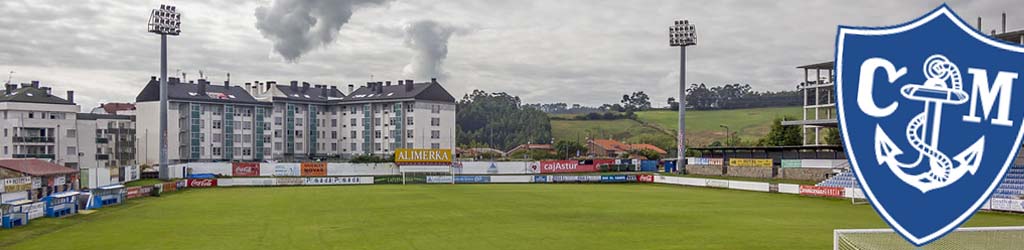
423,156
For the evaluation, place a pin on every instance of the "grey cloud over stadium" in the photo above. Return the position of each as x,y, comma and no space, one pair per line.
583,52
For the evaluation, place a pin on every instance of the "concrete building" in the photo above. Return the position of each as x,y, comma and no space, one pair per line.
293,122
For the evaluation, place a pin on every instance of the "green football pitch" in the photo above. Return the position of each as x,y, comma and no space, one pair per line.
509,216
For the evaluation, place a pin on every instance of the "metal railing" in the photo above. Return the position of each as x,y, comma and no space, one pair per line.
33,139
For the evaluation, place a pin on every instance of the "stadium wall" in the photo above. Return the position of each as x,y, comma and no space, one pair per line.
750,172
704,169
810,174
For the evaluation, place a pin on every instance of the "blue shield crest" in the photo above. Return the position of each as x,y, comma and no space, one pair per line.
930,118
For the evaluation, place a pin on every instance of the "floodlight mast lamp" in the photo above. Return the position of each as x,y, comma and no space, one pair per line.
165,21
682,34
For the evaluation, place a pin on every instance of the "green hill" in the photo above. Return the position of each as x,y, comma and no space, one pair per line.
658,127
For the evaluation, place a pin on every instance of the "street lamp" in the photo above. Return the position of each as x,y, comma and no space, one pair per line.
680,35
727,134
164,21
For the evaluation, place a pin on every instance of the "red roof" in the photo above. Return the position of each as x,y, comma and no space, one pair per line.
642,146
112,108
611,144
35,167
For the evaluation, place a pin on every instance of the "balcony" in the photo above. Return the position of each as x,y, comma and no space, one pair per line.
33,139
41,156
103,157
102,140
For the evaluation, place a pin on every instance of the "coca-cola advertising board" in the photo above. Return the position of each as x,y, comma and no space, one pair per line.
245,169
565,166
194,183
645,178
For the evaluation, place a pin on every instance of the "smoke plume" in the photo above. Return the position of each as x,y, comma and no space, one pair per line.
298,26
429,40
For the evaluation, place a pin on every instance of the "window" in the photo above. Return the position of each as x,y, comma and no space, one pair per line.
409,145
408,121
435,134
277,133
353,146
246,151
277,146
266,139
72,151
237,137
376,134
31,115
334,123
334,134
298,146
353,135
202,137
436,109
435,121
246,139
408,134
435,145
246,126
216,151
277,120
298,134
216,124
72,133
334,146
353,123
376,121
217,138
5,150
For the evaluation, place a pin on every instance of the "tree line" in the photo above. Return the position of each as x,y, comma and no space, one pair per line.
499,121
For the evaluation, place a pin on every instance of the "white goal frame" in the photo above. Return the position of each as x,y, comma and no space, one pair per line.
426,169
837,232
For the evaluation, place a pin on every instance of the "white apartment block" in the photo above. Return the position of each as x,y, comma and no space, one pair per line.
37,124
293,122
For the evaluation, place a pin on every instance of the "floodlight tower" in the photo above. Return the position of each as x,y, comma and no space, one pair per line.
680,35
165,21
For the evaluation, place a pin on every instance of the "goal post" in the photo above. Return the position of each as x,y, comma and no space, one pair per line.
961,238
856,196
421,173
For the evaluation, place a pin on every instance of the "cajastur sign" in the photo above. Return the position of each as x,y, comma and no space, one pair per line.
423,156
565,166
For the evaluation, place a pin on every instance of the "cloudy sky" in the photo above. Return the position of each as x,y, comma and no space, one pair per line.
587,52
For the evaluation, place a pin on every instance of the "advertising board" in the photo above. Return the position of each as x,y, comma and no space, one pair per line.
199,183
408,155
750,162
286,170
575,178
618,178
336,180
36,210
290,181
1015,205
313,168
132,192
540,178
17,184
716,183
565,166
646,178
836,192
245,169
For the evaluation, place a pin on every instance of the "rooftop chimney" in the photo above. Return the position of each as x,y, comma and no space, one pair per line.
388,83
71,96
408,85
35,84
152,78
8,88
305,87
295,85
433,80
323,91
202,88
1004,22
227,84
334,89
351,88
271,84
248,87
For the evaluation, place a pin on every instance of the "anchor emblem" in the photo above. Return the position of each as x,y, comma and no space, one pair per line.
944,86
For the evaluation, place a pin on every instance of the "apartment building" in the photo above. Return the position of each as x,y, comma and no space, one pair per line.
294,121
37,124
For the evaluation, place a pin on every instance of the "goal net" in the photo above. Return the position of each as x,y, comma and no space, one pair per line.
857,196
962,238
419,174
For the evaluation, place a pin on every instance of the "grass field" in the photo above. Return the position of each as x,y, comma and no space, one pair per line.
539,216
702,127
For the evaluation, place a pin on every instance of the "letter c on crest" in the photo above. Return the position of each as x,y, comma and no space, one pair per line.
865,98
